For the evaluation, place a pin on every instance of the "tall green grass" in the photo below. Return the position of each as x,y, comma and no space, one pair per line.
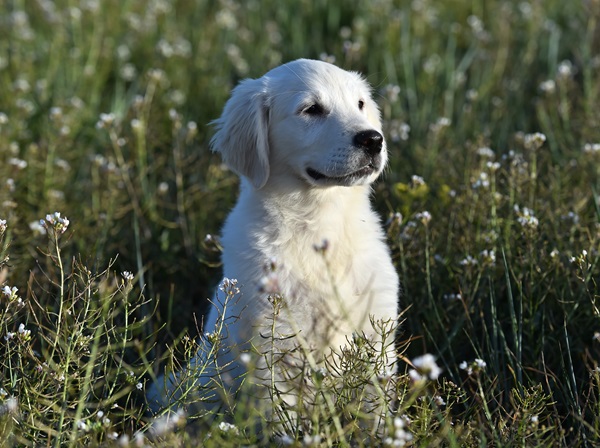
493,127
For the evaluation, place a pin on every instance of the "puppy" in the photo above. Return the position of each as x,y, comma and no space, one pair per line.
303,243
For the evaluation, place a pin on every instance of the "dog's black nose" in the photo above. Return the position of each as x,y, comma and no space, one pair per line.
371,141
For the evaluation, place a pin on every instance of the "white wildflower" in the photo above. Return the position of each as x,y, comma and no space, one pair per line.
566,69
482,182
128,276
17,163
526,217
469,261
493,166
591,148
228,427
106,121
416,181
37,228
24,333
229,286
56,222
476,366
426,366
440,124
548,86
488,256
486,152
424,217
534,141
400,436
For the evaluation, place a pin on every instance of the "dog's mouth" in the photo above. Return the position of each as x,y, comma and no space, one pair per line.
345,179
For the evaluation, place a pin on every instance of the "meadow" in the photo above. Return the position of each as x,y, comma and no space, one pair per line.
111,205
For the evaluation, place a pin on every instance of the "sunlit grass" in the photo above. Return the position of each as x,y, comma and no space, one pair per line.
491,204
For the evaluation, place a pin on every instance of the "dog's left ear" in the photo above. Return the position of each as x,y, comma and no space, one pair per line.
242,132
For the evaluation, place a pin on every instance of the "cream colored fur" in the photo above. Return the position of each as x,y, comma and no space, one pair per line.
332,267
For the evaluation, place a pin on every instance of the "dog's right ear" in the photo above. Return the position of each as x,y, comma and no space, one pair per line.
242,132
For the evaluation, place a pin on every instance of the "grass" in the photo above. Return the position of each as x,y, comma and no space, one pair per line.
491,203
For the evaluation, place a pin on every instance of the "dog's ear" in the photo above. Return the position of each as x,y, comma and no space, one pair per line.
242,132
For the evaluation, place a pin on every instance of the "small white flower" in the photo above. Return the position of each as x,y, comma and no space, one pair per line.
128,276
55,221
439,400
488,256
493,166
548,86
469,261
137,125
139,386
534,141
534,419
416,181
3,225
424,217
486,152
591,148
228,427
17,163
229,286
566,69
482,182
106,121
526,217
427,366
246,358
476,366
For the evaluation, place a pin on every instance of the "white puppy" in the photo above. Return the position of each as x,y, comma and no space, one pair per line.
306,140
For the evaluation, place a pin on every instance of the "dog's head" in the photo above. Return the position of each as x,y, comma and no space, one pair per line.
305,120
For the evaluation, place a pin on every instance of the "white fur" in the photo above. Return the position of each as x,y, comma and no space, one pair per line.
268,135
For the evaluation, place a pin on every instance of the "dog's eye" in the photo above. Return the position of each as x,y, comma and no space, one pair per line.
314,109
361,104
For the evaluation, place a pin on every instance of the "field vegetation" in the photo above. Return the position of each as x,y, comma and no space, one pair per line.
111,205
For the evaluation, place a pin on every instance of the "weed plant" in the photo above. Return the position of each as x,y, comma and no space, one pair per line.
491,203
